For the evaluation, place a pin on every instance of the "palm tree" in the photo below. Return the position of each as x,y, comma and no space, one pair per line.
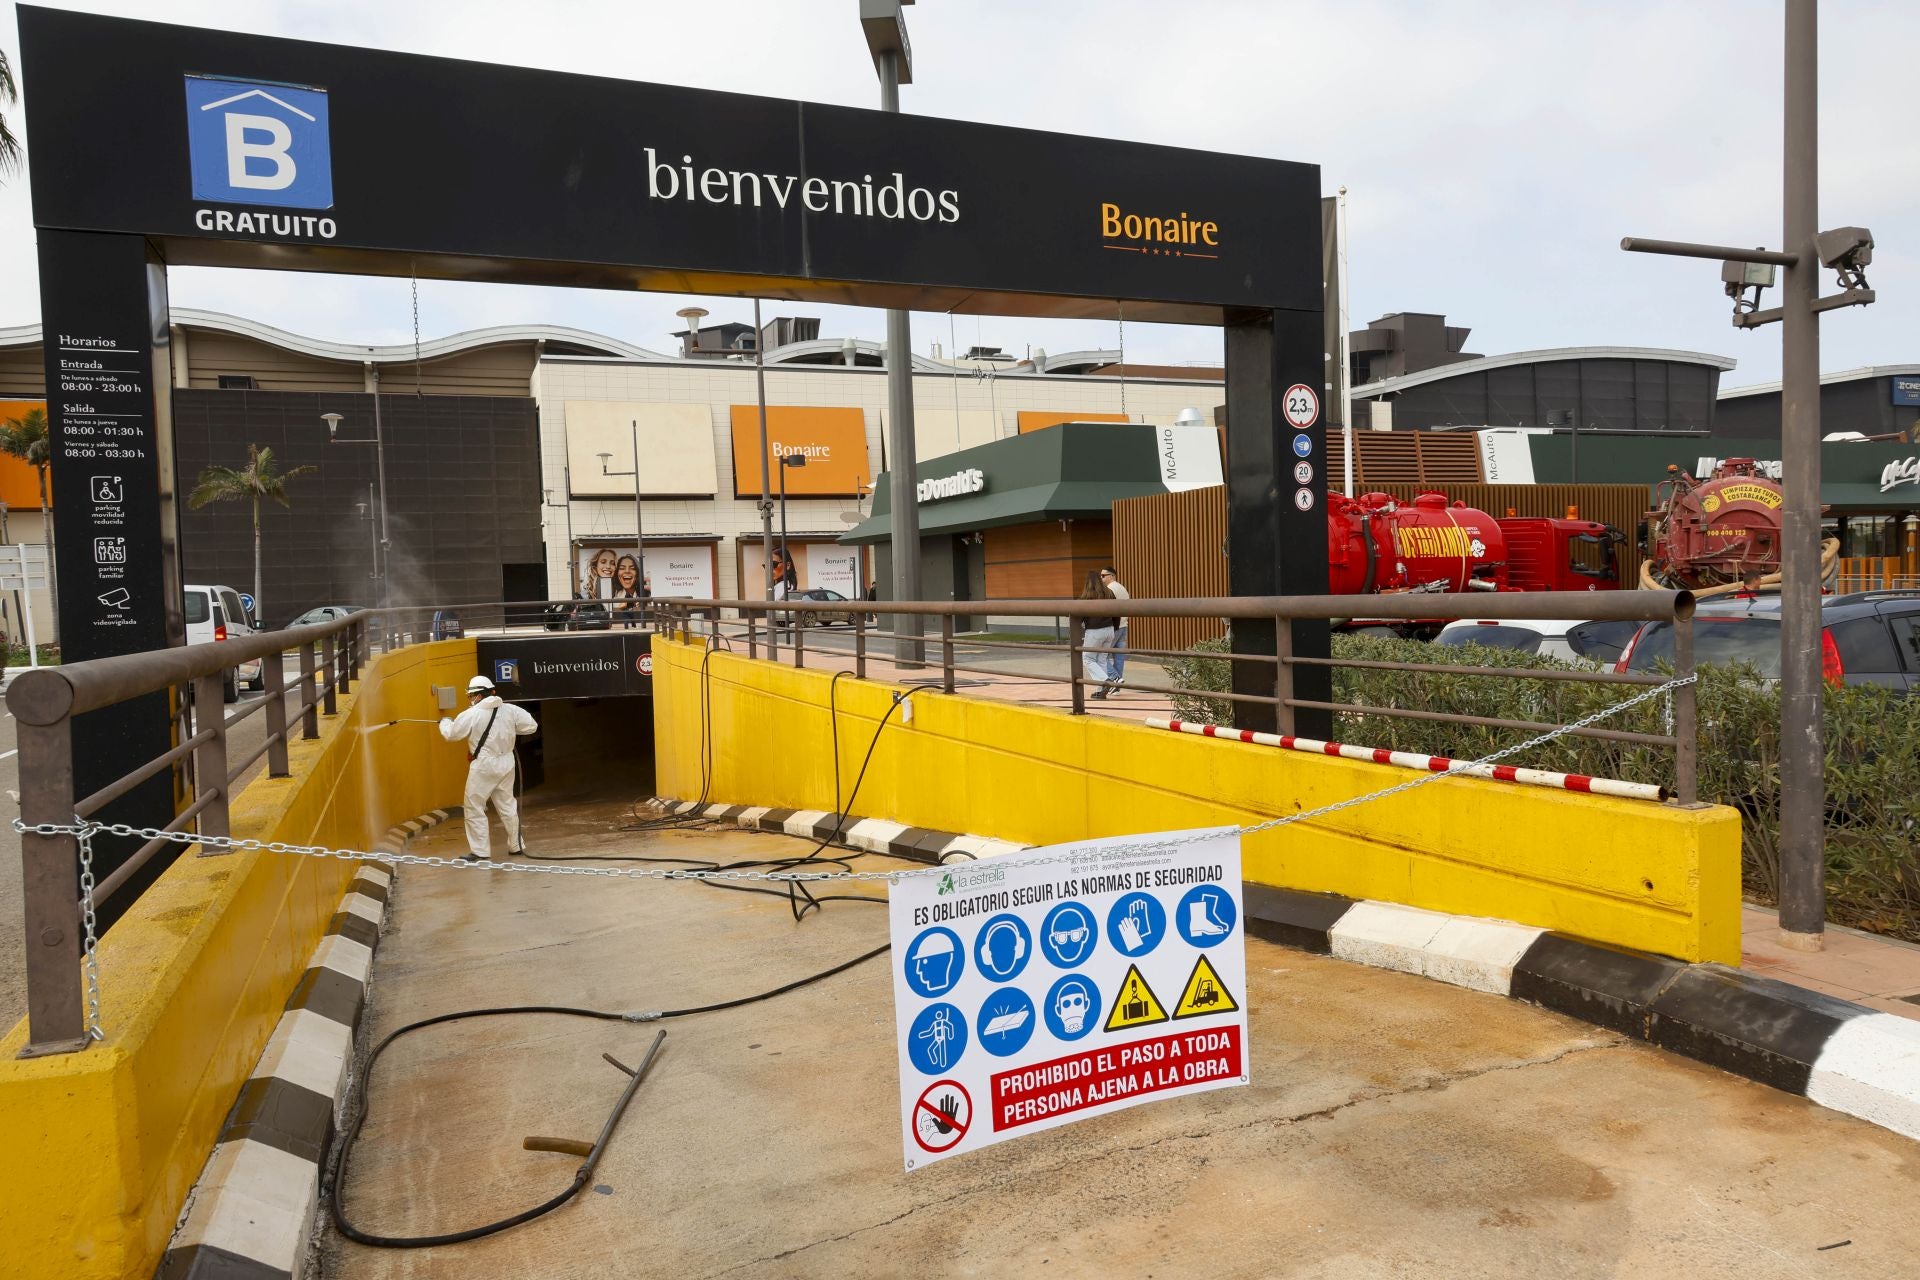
9,145
25,437
255,481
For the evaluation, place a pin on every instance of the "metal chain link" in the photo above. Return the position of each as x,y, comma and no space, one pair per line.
416,327
91,934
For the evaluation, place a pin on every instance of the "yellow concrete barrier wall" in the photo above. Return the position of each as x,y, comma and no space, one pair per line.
1652,877
101,1147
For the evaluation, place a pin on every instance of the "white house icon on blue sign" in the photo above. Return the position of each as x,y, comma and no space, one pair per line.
254,142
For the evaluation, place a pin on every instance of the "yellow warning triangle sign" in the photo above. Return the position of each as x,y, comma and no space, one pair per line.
1205,994
1134,1004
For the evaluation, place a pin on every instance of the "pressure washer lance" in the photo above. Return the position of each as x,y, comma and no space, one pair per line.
403,720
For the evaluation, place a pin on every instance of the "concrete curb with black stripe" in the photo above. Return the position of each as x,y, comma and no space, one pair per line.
1839,1054
250,1215
870,835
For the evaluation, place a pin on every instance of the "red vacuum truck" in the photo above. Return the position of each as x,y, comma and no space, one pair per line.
1379,545
1718,535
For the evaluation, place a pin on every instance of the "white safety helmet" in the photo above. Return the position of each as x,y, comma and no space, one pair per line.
479,684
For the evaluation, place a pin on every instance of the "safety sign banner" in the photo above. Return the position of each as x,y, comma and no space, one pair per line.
1066,982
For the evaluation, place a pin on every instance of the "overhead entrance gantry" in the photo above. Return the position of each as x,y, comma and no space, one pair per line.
155,146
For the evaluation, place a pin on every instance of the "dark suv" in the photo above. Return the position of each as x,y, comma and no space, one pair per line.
1869,637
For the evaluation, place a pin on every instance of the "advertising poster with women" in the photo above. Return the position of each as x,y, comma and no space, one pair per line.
1065,982
672,572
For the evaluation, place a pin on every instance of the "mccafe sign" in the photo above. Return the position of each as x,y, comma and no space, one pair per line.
1897,473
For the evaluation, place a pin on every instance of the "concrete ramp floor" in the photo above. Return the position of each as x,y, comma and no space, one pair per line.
1395,1126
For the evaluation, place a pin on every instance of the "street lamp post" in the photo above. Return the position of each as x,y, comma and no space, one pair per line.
885,29
368,511
790,460
1847,251
383,543
639,521
766,481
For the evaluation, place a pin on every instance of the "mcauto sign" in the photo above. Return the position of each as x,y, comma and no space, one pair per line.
155,146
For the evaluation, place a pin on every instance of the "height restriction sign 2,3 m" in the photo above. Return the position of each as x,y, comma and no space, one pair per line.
1039,989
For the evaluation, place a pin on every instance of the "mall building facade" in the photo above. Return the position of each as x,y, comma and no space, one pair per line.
496,484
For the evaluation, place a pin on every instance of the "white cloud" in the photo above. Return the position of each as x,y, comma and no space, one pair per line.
1495,152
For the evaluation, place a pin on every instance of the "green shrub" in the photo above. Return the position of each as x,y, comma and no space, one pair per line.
1872,752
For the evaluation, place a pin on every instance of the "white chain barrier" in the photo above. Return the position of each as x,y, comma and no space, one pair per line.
85,831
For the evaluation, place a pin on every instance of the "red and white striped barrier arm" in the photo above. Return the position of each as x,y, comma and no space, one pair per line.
1426,764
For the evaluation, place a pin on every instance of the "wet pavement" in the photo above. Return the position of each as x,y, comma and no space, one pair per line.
1395,1126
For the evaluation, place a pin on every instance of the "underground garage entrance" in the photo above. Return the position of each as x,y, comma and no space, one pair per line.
592,696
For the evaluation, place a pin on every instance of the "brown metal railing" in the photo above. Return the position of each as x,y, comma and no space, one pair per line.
329,658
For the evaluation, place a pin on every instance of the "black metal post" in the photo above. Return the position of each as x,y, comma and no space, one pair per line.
1803,894
273,671
50,888
210,757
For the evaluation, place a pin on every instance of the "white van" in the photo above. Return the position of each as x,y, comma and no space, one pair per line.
1570,639
215,613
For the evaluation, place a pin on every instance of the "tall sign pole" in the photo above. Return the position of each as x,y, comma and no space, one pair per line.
1746,273
1803,887
885,28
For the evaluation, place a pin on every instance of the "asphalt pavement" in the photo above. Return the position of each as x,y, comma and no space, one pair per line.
245,738
1394,1126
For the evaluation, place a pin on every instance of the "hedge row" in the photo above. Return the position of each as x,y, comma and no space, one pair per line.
1872,750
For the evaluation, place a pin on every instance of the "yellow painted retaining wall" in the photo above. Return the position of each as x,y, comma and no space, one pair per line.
99,1149
1647,876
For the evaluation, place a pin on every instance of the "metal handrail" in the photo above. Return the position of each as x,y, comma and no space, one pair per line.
43,703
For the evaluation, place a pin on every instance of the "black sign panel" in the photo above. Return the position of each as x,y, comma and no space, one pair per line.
610,664
102,312
219,143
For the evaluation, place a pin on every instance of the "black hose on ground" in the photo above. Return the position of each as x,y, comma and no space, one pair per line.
336,1182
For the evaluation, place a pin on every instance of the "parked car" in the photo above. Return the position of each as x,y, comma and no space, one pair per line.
826,617
214,613
1573,640
582,615
326,613
1868,637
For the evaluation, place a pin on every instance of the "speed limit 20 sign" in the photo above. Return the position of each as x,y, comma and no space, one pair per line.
1301,405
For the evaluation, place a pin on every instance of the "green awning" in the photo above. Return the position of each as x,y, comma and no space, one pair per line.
1073,500
1074,471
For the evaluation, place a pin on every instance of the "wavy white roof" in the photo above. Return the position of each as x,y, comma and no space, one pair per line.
390,353
1387,386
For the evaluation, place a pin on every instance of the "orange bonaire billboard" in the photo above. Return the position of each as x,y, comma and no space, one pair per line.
833,441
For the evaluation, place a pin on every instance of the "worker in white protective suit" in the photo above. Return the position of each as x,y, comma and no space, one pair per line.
488,727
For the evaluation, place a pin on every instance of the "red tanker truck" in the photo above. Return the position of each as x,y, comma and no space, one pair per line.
1377,544
1720,534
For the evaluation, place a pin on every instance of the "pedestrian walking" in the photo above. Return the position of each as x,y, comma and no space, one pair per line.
1099,634
489,727
1119,592
785,581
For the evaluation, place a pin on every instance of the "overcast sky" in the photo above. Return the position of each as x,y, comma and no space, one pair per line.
1494,153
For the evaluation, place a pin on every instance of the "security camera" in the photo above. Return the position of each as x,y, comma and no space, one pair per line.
1848,251
1742,276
